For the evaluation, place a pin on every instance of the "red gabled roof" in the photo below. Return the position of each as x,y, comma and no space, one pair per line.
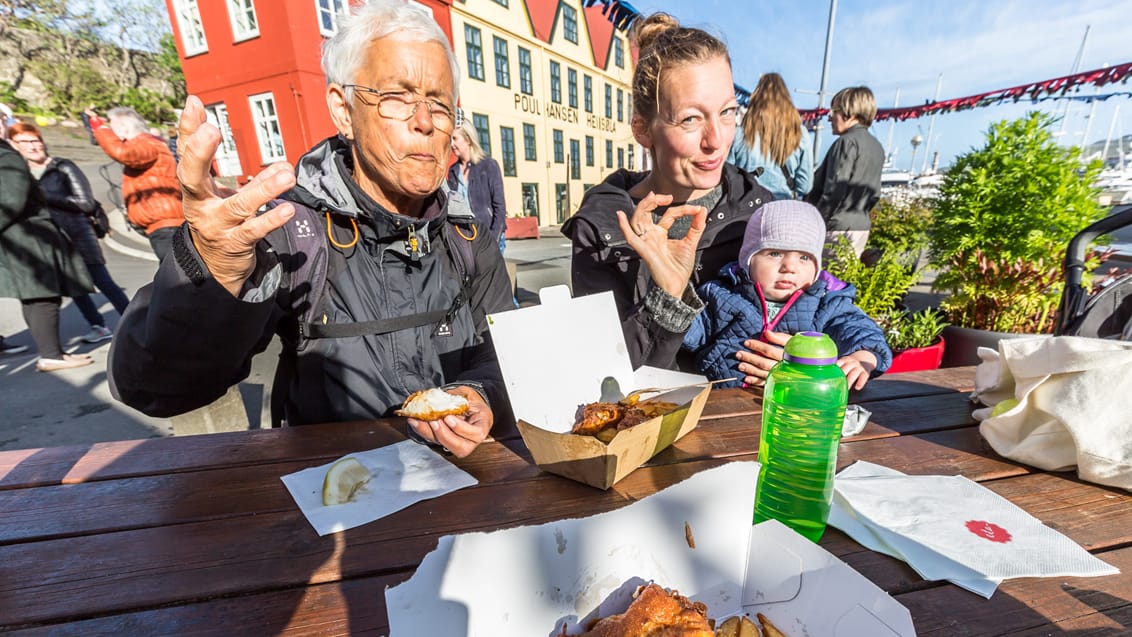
542,15
601,34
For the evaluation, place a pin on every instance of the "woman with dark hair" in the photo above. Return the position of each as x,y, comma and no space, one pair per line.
70,201
773,144
478,178
37,263
651,237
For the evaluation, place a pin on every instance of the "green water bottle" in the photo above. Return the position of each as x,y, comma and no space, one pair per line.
803,410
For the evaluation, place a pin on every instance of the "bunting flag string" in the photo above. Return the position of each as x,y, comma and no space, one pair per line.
622,15
1035,92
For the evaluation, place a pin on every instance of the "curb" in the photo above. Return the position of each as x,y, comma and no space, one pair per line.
117,242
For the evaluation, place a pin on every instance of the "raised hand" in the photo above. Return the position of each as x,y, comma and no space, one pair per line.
670,261
223,224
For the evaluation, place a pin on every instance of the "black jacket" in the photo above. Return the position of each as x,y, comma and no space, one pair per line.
185,339
69,197
485,193
36,259
847,184
602,260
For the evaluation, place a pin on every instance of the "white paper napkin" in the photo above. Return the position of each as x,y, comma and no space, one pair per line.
402,474
950,528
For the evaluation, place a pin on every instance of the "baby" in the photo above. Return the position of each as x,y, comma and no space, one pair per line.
778,286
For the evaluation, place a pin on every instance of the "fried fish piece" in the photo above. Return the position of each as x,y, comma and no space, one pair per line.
656,612
598,416
432,404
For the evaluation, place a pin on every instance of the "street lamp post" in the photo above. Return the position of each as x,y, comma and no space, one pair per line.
824,73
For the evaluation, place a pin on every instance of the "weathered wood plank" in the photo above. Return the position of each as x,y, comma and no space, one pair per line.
1030,606
351,607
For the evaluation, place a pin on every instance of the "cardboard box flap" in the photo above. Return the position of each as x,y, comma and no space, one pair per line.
555,355
805,590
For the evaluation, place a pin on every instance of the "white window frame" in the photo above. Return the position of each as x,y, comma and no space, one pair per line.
187,14
335,10
268,130
227,155
245,23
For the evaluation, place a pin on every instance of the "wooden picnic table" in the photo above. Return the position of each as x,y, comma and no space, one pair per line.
198,536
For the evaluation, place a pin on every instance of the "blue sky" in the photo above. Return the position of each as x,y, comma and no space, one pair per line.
978,46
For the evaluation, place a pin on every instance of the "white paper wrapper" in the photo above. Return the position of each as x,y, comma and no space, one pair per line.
530,581
950,528
402,474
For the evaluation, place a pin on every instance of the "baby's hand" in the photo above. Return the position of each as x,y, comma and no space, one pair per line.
857,367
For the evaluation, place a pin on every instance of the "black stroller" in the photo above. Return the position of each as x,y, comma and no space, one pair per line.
1108,313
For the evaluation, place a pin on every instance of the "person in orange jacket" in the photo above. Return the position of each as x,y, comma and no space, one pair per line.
149,174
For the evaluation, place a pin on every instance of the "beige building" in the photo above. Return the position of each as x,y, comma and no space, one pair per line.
547,84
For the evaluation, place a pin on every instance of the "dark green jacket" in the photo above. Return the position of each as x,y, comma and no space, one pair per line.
36,260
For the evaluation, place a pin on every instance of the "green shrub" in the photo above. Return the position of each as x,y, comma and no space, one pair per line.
880,287
1005,216
904,330
900,223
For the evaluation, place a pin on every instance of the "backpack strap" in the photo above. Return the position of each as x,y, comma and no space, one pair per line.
310,251
790,181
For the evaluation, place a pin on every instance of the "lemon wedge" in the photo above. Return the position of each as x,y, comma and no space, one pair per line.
342,481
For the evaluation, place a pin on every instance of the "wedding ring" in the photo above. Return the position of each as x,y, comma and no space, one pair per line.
639,231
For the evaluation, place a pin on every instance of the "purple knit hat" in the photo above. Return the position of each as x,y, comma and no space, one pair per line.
784,225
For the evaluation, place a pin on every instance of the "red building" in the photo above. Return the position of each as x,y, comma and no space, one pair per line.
256,66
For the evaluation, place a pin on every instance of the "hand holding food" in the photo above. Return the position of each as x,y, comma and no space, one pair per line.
433,404
457,419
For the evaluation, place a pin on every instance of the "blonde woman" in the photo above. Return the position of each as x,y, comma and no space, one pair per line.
478,178
772,143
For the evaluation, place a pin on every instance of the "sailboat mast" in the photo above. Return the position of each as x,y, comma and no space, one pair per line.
1076,67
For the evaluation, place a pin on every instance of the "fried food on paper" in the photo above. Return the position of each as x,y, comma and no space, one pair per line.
656,612
737,626
433,404
604,420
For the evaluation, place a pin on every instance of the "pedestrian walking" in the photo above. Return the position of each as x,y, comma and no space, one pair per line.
478,178
150,189
38,266
70,201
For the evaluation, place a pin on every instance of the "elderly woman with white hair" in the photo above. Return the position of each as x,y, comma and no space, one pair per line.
478,178
404,303
149,174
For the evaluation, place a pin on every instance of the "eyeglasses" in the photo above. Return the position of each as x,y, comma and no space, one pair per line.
26,142
401,105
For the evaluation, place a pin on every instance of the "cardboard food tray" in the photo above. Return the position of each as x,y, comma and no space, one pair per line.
555,357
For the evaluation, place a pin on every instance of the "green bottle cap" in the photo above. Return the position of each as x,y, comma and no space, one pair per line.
811,348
